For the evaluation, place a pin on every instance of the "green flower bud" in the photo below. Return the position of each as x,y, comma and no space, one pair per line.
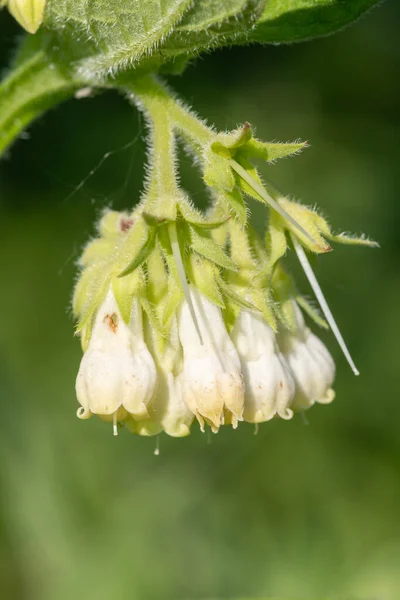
28,13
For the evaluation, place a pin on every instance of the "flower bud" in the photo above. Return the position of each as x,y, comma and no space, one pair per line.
212,383
28,13
117,373
311,365
268,383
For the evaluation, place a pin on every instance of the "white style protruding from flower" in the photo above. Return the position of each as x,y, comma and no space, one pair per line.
311,364
212,382
117,373
268,381
167,411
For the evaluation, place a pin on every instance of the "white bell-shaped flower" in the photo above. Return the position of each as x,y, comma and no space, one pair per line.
268,382
212,382
117,373
167,411
312,366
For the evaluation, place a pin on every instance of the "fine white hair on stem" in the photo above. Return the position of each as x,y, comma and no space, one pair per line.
115,424
301,255
176,251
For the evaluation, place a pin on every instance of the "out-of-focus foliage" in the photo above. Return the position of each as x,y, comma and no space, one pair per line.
307,512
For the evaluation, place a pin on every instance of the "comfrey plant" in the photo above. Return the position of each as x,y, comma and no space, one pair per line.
184,315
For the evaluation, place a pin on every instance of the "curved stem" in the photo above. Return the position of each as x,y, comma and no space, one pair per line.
32,88
148,92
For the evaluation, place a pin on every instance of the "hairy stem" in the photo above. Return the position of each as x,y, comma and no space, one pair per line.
149,93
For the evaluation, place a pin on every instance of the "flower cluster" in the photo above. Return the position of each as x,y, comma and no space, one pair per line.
250,375
186,316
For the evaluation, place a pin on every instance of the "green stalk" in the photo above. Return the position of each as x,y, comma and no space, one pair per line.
30,89
152,94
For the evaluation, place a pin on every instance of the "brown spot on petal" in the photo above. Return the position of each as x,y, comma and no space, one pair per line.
125,224
112,322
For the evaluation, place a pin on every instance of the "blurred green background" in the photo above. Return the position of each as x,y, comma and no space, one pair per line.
299,511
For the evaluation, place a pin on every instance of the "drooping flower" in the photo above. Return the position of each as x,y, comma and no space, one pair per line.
312,366
212,382
117,373
167,411
268,382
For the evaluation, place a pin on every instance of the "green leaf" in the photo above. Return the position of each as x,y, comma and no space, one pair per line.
31,88
112,34
296,20
213,23
107,36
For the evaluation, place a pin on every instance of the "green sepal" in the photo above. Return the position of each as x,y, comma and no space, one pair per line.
85,287
152,221
230,314
152,315
203,244
311,311
217,172
157,277
235,204
253,172
353,240
235,298
275,239
240,247
308,219
172,301
95,251
283,290
124,290
86,333
193,216
341,238
205,276
240,143
226,144
271,151
143,253
94,293
165,247
259,298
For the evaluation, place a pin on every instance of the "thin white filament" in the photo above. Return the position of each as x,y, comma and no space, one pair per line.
176,251
268,199
115,424
301,255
